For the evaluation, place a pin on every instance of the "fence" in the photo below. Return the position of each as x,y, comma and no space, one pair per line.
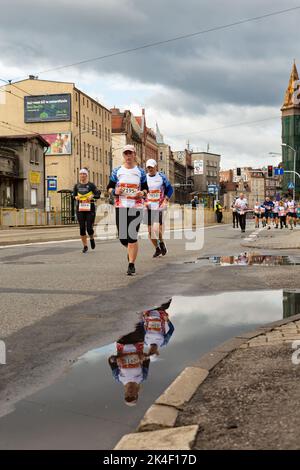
10,217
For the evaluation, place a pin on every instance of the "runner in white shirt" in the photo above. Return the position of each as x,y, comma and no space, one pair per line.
282,214
159,194
291,212
257,214
241,205
128,183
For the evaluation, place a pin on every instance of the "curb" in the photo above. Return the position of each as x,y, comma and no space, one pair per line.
159,420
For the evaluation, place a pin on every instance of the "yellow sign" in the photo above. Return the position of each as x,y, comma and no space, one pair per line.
35,177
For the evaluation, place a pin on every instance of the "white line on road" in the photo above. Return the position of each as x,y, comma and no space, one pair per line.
109,237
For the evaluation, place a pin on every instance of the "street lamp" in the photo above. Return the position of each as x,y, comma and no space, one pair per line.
295,154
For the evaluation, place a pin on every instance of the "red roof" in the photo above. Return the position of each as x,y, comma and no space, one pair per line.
116,122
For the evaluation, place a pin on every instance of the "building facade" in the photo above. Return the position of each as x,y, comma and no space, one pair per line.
125,130
76,126
22,171
290,119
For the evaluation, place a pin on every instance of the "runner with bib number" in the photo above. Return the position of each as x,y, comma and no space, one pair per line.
85,193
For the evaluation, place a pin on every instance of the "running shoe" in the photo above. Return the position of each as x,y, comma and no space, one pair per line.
85,249
163,248
93,244
131,269
157,253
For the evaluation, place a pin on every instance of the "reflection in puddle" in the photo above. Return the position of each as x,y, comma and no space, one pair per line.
255,259
85,408
130,364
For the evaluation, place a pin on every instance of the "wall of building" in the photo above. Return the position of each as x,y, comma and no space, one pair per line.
89,149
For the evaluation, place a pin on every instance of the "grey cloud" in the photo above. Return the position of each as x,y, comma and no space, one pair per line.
247,64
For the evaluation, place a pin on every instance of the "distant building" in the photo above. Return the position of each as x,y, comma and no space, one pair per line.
165,160
125,130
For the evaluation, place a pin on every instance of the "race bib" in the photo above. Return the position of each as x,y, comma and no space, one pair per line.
154,325
129,190
154,195
84,206
130,361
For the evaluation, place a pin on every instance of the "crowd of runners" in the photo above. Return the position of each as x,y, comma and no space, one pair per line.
139,197
282,213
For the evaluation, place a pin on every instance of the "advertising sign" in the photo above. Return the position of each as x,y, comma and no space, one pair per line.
46,108
35,177
198,167
59,144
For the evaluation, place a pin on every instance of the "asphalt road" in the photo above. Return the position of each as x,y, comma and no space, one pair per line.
57,303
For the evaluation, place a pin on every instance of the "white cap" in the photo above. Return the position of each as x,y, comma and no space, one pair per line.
129,147
151,162
83,171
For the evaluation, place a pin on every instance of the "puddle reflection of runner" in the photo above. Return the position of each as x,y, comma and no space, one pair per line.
130,366
157,327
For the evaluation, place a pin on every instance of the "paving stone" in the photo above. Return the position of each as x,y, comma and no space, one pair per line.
158,417
183,388
181,438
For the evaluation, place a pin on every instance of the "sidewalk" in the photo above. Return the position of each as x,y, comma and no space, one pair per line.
244,394
284,239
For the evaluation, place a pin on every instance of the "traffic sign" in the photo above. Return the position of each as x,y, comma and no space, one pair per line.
291,185
51,184
278,171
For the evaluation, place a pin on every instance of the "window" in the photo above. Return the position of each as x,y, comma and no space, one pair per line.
83,100
93,152
93,125
108,135
100,155
92,107
33,196
31,155
89,150
161,155
96,153
84,122
96,127
36,156
93,177
101,179
87,103
105,134
88,124
77,147
100,131
106,157
76,118
84,150
76,97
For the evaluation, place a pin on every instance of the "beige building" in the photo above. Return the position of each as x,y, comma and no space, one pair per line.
206,169
165,162
77,128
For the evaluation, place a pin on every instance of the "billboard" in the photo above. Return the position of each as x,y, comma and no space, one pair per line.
198,167
59,143
47,108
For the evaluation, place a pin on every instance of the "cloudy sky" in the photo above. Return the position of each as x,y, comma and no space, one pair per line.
207,89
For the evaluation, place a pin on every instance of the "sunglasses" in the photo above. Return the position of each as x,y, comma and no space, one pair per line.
128,152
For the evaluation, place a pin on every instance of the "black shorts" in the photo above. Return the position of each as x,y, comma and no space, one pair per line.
153,217
128,221
257,214
292,214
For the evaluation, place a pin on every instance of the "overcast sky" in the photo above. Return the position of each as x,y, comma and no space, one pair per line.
192,87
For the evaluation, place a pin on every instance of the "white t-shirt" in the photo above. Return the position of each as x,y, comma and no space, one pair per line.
241,204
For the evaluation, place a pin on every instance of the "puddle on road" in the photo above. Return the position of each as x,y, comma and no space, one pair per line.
255,259
250,259
85,408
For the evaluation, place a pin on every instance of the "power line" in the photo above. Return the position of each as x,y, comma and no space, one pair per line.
236,124
167,41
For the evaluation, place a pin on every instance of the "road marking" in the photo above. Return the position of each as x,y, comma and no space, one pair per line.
108,237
